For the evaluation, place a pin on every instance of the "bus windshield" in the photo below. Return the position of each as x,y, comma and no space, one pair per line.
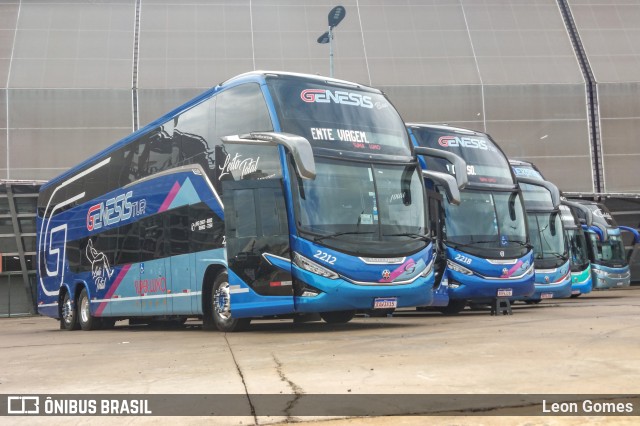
362,207
487,223
339,117
547,238
577,248
485,162
609,253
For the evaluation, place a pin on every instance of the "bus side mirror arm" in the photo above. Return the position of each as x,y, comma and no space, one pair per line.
555,192
588,214
602,231
634,232
299,147
460,166
448,182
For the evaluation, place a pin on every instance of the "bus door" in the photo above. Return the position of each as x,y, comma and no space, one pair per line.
152,286
180,263
257,244
434,202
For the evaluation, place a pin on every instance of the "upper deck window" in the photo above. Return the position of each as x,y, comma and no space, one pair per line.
343,118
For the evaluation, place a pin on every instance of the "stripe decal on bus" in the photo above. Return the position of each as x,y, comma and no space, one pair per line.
113,288
158,296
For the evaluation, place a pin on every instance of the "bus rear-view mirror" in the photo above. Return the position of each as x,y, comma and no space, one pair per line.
447,182
459,165
299,147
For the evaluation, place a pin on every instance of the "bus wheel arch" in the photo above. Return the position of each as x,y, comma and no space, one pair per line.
216,310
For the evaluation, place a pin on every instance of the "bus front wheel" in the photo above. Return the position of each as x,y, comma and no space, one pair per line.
68,314
337,317
217,314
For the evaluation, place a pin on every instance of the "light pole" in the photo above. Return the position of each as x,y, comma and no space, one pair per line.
336,15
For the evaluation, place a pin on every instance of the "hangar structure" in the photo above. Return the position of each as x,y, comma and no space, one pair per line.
555,82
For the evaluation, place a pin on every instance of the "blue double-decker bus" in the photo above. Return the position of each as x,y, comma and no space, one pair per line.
483,253
580,265
270,194
552,265
609,264
581,282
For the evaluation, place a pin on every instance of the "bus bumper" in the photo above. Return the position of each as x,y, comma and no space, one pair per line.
459,286
605,280
550,291
581,283
341,295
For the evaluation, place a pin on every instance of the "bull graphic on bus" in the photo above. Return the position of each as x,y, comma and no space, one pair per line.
100,269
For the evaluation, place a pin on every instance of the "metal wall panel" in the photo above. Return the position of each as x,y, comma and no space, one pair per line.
610,34
73,45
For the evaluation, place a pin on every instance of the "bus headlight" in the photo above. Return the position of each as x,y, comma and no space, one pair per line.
458,268
311,266
600,272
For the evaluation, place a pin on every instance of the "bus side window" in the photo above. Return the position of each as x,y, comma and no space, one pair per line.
241,109
152,238
178,231
128,244
206,228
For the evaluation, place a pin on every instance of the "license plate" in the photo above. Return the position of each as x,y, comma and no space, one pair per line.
546,296
505,292
575,291
385,302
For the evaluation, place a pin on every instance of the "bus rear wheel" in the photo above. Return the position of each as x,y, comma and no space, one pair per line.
217,314
68,314
87,322
337,317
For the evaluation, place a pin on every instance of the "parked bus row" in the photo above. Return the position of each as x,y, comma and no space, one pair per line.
281,194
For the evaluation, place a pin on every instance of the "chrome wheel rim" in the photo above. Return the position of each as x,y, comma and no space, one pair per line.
67,311
221,302
84,310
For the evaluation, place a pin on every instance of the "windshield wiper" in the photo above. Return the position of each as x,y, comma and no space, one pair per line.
422,237
522,243
471,244
337,234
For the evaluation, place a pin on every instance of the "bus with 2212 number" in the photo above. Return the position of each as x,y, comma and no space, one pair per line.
271,194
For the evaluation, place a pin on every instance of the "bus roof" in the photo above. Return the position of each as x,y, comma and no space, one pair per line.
252,76
446,127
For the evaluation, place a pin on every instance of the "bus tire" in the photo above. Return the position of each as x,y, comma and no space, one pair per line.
454,307
217,314
86,320
574,296
337,317
68,314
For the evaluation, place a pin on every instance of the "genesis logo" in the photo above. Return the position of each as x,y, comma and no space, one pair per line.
454,141
337,96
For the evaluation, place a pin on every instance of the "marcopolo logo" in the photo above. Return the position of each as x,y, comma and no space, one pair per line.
337,97
455,141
